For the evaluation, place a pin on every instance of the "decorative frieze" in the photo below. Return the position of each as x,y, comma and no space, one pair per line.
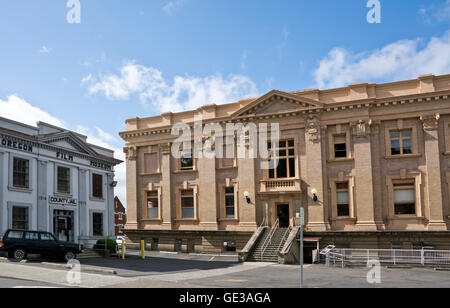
313,128
130,152
362,128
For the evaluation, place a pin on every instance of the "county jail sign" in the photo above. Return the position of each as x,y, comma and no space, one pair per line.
62,201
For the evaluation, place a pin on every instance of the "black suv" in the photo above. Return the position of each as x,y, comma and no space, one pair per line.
19,243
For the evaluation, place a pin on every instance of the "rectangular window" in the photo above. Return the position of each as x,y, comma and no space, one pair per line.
187,203
186,161
97,224
63,186
152,204
16,235
401,142
32,236
340,146
21,173
97,186
343,200
229,202
20,218
404,199
285,156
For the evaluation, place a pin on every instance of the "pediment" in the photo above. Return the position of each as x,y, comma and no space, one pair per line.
69,141
276,102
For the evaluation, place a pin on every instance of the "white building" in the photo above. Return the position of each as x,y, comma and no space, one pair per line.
52,180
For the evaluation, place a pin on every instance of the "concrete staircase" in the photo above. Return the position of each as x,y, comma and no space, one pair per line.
273,247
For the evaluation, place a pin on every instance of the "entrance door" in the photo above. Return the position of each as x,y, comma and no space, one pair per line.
283,215
63,225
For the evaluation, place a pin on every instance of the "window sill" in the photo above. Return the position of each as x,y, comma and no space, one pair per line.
97,199
406,217
194,220
184,171
228,219
402,156
344,218
150,174
152,220
18,189
59,194
338,160
226,168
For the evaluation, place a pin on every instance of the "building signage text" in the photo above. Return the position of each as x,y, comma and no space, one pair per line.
17,145
100,166
64,156
62,201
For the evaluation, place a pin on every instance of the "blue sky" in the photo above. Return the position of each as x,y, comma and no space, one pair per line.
143,57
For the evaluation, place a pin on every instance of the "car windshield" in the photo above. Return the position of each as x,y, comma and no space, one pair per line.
15,234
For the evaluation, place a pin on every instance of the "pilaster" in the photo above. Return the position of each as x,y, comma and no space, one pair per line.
132,197
42,206
166,183
314,175
433,173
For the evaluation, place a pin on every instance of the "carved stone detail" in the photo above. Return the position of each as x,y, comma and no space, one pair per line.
430,122
361,128
165,148
313,128
130,152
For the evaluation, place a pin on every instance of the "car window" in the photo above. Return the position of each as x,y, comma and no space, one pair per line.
34,236
15,234
47,237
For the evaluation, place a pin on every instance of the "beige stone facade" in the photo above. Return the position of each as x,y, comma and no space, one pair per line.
377,157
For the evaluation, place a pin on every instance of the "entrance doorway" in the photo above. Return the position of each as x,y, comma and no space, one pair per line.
63,225
283,215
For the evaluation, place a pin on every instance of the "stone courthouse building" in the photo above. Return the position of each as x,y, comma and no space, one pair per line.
370,163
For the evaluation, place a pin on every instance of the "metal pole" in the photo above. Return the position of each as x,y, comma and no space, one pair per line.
302,222
142,249
123,249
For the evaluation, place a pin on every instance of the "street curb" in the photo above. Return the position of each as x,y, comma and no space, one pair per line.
442,269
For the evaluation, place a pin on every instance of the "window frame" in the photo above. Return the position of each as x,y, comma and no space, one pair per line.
340,190
225,207
404,185
405,176
401,139
157,197
27,217
287,157
69,186
93,213
180,203
92,186
27,185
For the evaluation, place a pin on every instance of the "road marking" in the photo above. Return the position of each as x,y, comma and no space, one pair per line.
211,259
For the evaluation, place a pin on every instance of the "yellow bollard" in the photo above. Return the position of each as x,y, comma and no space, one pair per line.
123,249
142,249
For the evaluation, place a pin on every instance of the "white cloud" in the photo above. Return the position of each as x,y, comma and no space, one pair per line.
436,13
45,49
17,109
172,6
397,61
183,93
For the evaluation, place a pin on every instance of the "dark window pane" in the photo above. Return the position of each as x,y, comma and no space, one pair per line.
282,153
405,209
291,143
282,144
406,133
15,234
395,147
271,173
97,186
229,190
21,172
20,218
229,212
229,201
97,219
340,150
292,167
63,180
343,210
291,152
186,161
282,169
407,148
395,134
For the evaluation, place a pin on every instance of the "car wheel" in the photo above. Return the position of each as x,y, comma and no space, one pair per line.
69,255
19,254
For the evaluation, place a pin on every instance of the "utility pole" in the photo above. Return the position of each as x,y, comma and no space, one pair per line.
302,222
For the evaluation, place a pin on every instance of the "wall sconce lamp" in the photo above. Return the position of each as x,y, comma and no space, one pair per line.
314,193
113,183
247,197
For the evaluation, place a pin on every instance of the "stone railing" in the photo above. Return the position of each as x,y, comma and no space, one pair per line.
280,185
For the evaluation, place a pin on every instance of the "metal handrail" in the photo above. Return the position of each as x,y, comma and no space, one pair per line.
269,238
288,230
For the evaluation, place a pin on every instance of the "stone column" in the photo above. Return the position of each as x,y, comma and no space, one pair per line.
207,198
434,182
42,205
363,176
166,185
132,189
82,202
317,220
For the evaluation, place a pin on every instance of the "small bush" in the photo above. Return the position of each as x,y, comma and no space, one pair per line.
111,245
